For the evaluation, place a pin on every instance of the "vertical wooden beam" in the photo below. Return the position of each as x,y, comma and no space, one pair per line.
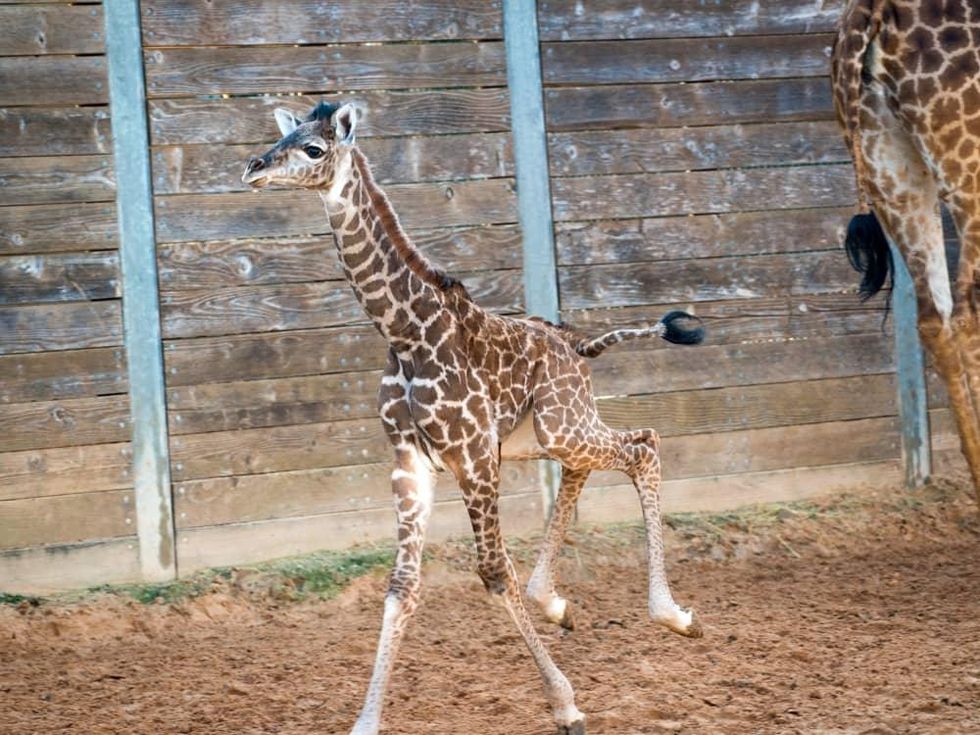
912,397
533,178
141,305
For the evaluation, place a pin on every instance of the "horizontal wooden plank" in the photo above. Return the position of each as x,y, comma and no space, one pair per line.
65,80
595,19
238,120
217,263
677,104
47,569
700,236
671,60
181,72
751,363
702,192
64,423
60,326
618,504
66,518
48,228
272,355
255,403
201,23
706,279
45,376
653,150
258,451
65,471
197,169
49,131
212,312
312,492
57,179
59,277
277,213
739,408
36,30
245,543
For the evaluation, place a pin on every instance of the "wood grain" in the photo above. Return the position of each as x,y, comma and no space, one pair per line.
38,30
66,80
59,277
45,376
49,228
66,518
57,179
37,328
65,471
46,569
28,131
201,23
64,423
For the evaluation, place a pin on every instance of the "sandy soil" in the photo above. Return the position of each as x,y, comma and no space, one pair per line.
860,619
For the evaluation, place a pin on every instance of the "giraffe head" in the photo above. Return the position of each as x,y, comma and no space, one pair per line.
310,151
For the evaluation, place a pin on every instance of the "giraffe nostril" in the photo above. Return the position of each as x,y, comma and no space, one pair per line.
255,164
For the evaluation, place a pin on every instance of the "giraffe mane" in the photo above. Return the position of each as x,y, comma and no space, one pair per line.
413,258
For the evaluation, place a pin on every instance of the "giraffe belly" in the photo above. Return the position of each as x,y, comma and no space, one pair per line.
522,442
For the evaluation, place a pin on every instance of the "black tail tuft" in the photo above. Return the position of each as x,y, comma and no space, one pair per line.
867,249
681,335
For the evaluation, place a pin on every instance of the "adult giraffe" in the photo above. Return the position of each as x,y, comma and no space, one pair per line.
906,82
464,389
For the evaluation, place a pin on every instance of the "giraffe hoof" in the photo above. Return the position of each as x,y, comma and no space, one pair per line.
567,621
575,728
694,629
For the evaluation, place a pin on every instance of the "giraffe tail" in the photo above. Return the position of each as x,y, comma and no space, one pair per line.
867,249
668,328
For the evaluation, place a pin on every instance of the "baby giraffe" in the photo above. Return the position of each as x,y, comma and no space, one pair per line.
462,390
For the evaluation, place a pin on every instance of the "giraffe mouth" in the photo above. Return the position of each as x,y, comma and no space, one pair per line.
255,180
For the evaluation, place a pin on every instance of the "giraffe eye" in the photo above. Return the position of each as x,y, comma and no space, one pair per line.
313,151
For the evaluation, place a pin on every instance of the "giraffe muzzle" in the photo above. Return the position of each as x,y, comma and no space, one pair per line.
255,173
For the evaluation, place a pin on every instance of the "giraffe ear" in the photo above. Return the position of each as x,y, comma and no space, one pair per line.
344,121
286,121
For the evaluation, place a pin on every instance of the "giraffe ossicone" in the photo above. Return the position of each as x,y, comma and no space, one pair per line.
463,390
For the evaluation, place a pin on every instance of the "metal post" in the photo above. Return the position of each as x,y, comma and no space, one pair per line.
912,397
141,305
533,178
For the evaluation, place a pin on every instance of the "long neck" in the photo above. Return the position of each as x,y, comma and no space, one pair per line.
398,288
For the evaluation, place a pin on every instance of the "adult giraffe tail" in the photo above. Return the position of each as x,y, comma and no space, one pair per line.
668,328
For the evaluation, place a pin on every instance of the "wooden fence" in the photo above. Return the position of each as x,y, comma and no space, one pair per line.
694,162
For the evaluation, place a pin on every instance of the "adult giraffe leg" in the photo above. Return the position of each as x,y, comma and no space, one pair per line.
478,480
541,586
412,485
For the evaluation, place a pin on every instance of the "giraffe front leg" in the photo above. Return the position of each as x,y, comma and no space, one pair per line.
541,586
412,486
645,473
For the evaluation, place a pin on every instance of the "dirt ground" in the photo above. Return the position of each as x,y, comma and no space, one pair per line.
854,615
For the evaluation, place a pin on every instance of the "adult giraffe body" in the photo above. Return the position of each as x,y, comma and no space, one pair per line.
462,390
906,79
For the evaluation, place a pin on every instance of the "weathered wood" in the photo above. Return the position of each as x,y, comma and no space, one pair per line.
644,61
181,72
709,366
706,279
65,423
45,569
596,19
238,120
702,192
65,518
201,23
212,312
739,408
654,150
312,492
298,447
700,236
60,326
36,30
677,104
52,227
65,471
65,80
59,277
617,503
256,403
57,179
218,263
272,355
28,131
242,543
45,376
198,169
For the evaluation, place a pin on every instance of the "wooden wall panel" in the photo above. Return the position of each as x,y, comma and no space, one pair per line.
27,30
